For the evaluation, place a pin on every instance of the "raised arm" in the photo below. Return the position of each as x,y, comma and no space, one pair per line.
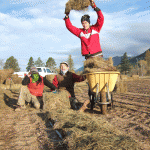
100,19
76,31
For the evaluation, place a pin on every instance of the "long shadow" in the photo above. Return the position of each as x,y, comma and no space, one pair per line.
58,143
10,101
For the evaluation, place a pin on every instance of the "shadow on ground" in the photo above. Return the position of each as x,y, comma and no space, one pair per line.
11,102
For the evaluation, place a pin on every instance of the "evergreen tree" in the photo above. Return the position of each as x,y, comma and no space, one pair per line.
125,64
11,62
51,64
39,63
70,63
30,64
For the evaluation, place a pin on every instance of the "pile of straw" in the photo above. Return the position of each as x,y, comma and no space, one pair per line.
8,81
81,130
135,77
77,5
4,74
123,77
98,64
121,87
50,78
16,79
55,102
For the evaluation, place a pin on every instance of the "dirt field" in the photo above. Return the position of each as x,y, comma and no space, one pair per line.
131,112
28,130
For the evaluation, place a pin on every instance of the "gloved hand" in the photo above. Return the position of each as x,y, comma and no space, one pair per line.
93,4
56,91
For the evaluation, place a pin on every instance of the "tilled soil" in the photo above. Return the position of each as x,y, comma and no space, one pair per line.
25,129
131,112
28,130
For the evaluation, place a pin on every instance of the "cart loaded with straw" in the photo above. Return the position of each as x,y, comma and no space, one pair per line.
101,85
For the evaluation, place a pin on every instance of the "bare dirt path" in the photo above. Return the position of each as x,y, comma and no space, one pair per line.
131,112
24,130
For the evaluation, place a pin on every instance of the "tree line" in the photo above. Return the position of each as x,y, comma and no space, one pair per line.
12,62
141,67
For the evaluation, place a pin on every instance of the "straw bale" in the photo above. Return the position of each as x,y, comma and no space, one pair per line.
4,74
8,81
55,102
121,87
16,79
77,5
135,77
50,77
98,64
124,77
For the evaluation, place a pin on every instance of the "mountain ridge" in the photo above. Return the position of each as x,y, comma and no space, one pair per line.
117,60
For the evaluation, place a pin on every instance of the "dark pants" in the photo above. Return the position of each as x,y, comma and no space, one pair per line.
74,103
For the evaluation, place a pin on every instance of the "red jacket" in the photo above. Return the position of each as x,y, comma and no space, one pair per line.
90,42
36,88
68,81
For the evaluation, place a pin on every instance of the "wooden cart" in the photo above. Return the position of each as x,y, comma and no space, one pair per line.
100,86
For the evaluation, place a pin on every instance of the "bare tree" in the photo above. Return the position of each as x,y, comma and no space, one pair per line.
1,63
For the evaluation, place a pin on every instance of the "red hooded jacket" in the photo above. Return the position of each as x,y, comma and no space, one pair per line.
90,42
36,88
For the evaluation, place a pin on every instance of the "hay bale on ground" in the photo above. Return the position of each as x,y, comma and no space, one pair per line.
98,64
50,77
77,5
4,74
83,131
121,87
8,81
124,77
53,103
16,79
135,77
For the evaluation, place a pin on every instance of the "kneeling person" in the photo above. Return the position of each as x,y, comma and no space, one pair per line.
65,80
32,89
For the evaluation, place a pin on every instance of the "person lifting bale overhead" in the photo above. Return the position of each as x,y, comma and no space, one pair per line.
89,35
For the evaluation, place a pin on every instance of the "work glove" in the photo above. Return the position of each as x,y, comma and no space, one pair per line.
93,4
56,91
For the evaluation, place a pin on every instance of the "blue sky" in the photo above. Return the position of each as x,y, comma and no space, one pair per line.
36,28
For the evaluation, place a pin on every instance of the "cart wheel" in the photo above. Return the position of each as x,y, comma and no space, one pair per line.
92,101
103,101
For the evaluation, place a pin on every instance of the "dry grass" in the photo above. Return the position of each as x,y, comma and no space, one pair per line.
98,64
50,78
77,5
121,87
83,131
16,79
4,74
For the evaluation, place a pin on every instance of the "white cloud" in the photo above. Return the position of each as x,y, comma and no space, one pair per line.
35,11
39,30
